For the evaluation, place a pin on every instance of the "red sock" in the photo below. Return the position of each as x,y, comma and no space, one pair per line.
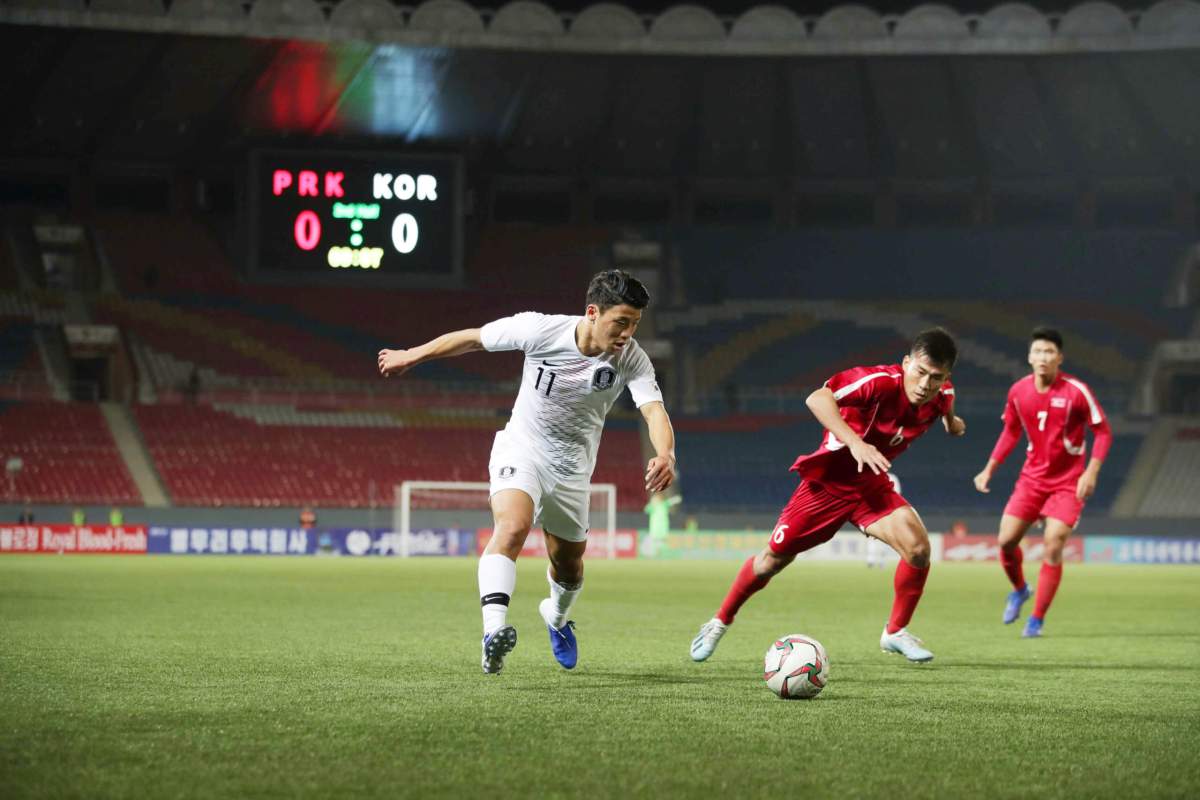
745,584
1014,567
1048,580
909,583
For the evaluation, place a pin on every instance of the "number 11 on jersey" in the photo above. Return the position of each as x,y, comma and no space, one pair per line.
549,382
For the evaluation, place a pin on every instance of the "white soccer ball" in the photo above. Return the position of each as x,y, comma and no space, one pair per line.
796,666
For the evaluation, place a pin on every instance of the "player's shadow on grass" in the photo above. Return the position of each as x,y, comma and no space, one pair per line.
594,679
606,681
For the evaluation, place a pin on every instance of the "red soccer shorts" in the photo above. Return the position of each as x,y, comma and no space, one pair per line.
814,515
1031,500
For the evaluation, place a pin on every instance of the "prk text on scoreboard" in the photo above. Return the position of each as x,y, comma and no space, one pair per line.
392,214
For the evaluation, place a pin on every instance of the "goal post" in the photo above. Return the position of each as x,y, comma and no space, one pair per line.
473,496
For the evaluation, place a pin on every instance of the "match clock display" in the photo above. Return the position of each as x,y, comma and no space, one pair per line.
385,214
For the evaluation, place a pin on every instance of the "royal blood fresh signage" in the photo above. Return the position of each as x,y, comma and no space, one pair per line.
130,539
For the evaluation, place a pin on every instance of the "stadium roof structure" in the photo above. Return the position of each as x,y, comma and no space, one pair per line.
606,27
124,82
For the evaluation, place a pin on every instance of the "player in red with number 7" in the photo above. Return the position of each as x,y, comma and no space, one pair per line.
871,416
1055,409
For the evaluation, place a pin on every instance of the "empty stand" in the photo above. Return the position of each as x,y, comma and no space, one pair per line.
1175,490
182,298
284,456
68,453
741,462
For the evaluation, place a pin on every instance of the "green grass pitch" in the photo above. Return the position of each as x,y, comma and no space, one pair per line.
326,678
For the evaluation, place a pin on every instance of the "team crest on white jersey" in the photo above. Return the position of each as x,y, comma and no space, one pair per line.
604,378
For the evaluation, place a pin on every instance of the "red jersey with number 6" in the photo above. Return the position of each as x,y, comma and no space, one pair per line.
873,403
1055,423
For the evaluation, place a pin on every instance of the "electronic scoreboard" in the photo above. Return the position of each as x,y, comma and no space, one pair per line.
387,215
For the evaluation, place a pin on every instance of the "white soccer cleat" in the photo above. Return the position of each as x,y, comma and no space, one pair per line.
705,643
905,644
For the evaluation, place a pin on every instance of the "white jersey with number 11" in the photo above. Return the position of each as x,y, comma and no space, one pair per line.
565,395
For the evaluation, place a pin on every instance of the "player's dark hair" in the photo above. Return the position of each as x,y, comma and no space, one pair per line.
938,345
1044,334
615,287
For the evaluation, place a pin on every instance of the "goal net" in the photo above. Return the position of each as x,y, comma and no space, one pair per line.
421,505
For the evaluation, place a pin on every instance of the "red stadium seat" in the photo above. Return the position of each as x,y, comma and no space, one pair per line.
208,456
68,453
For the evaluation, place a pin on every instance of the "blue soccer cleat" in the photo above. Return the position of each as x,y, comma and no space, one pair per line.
1033,628
1016,599
562,639
496,646
905,644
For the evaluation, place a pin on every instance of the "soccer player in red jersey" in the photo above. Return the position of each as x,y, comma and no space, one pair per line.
1055,409
871,416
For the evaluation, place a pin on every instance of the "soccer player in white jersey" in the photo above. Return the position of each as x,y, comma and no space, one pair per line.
542,462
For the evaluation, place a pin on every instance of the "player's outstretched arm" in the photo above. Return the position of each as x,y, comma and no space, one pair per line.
455,343
660,470
1010,434
824,407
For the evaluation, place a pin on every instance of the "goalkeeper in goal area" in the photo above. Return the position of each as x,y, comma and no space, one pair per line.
542,461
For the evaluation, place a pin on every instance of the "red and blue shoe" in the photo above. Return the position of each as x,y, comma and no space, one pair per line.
562,640
1033,628
1016,599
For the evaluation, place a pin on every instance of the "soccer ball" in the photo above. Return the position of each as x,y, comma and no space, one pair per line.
796,666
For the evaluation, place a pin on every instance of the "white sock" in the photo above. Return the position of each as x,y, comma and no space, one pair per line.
497,579
562,597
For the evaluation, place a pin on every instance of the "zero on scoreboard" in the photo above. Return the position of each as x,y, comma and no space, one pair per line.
385,214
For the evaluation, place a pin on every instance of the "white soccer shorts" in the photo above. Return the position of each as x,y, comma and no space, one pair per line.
560,507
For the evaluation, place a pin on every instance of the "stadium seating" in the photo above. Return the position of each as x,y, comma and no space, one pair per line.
1175,490
181,298
553,261
18,352
68,454
758,352
1028,277
22,373
199,313
1034,266
741,462
255,455
164,254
